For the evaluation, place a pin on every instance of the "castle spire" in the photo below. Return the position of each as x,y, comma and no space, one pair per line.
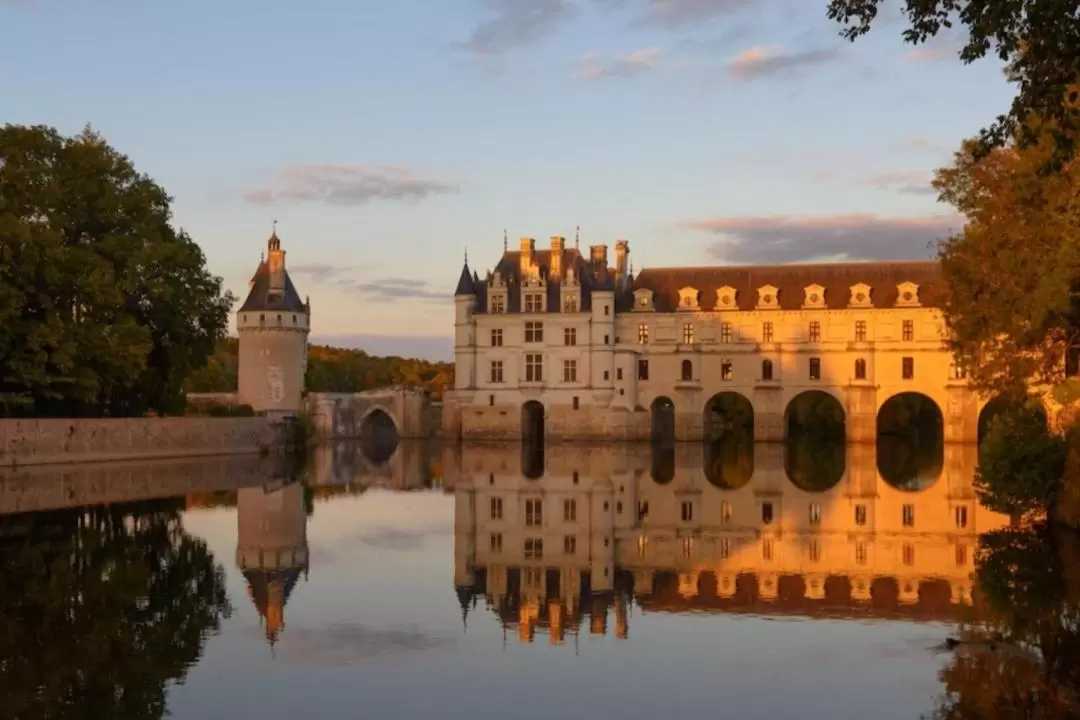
273,243
505,240
577,238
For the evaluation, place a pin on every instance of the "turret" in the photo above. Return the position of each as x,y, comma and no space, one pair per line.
464,328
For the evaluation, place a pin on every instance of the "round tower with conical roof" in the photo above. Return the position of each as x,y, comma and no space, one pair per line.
273,326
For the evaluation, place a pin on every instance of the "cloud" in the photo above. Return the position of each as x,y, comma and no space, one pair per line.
322,272
427,347
924,145
761,61
348,185
907,182
595,67
349,645
515,23
781,238
938,48
680,13
390,289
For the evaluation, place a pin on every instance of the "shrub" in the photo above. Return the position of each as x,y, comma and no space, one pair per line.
1021,463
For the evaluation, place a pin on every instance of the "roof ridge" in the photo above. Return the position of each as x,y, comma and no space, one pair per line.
788,266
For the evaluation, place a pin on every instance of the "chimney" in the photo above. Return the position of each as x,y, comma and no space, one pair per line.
527,247
622,260
557,244
598,255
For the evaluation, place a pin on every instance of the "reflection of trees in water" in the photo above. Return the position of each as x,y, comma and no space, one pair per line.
815,462
728,412
910,441
1024,660
729,460
101,608
815,413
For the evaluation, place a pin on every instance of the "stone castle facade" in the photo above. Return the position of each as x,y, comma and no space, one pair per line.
567,345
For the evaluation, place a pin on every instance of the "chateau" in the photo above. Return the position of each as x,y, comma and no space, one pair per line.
554,343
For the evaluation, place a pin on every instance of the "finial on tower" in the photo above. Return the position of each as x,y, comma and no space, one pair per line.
505,240
577,238
273,243
466,254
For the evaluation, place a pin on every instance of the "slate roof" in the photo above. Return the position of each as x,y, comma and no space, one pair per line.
260,297
790,280
465,285
591,276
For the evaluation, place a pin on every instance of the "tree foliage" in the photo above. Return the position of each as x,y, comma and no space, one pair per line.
105,307
1012,303
1021,463
1038,40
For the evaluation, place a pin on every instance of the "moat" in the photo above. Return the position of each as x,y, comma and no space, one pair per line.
754,581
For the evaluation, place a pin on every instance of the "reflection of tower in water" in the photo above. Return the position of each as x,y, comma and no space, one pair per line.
272,549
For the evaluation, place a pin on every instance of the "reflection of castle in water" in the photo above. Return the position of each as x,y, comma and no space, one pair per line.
271,548
682,529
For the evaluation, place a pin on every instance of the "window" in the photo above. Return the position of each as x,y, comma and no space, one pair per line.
909,554
725,512
725,332
569,371
766,369
688,547
909,515
534,367
569,544
860,369
726,372
815,513
959,369
607,310
860,515
569,304
496,337
687,511
607,339
860,331
725,548
642,369
534,548
279,319
961,517
262,320
496,542
294,319
766,549
767,513
534,302
687,370
576,402
688,333
815,331
534,332
498,304
815,550
642,545
815,368
618,508
860,553
908,368
909,330
961,555
643,334
569,510
534,512
569,336
496,508
642,510
607,375
491,400
766,332
496,371
618,373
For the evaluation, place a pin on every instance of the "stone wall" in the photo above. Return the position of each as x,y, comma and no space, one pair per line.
40,442
344,415
561,422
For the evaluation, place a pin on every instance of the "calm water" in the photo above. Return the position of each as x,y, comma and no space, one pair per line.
491,581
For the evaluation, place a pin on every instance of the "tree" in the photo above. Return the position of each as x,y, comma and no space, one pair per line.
1012,304
105,307
1021,463
1038,40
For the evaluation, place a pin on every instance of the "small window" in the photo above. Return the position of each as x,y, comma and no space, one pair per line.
496,337
618,373
687,370
908,368
570,304
766,549
688,547
860,515
534,512
498,304
607,339
815,368
643,334
569,371
961,555
815,331
766,370
534,367
687,511
496,542
496,371
294,319
814,550
688,334
577,403
618,507
860,553
642,545
534,302
496,508
725,332
725,548
860,369
642,510
909,515
642,369
534,332
569,545
860,331
725,511
607,310
262,320
279,319
607,375
767,332
909,554
534,548
961,517
491,400
815,513
767,513
909,330
569,336
727,372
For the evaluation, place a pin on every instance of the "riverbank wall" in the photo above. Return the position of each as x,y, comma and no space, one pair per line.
84,440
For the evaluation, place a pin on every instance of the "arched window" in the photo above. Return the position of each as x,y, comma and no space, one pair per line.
766,369
687,370
860,369
262,320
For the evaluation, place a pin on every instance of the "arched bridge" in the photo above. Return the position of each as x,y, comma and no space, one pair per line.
403,411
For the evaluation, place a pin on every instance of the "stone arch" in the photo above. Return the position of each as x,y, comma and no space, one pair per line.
532,460
910,441
378,435
532,422
816,413
662,419
662,468
815,433
995,407
727,412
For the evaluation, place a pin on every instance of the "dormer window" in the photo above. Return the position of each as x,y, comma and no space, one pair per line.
768,298
534,302
688,298
860,296
643,299
907,295
814,296
726,297
498,304
570,303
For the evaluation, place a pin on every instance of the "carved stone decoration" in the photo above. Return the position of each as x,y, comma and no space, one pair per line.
275,377
643,299
726,298
814,296
688,298
860,296
907,295
768,298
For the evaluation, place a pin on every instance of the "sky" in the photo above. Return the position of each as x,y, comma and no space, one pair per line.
387,139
